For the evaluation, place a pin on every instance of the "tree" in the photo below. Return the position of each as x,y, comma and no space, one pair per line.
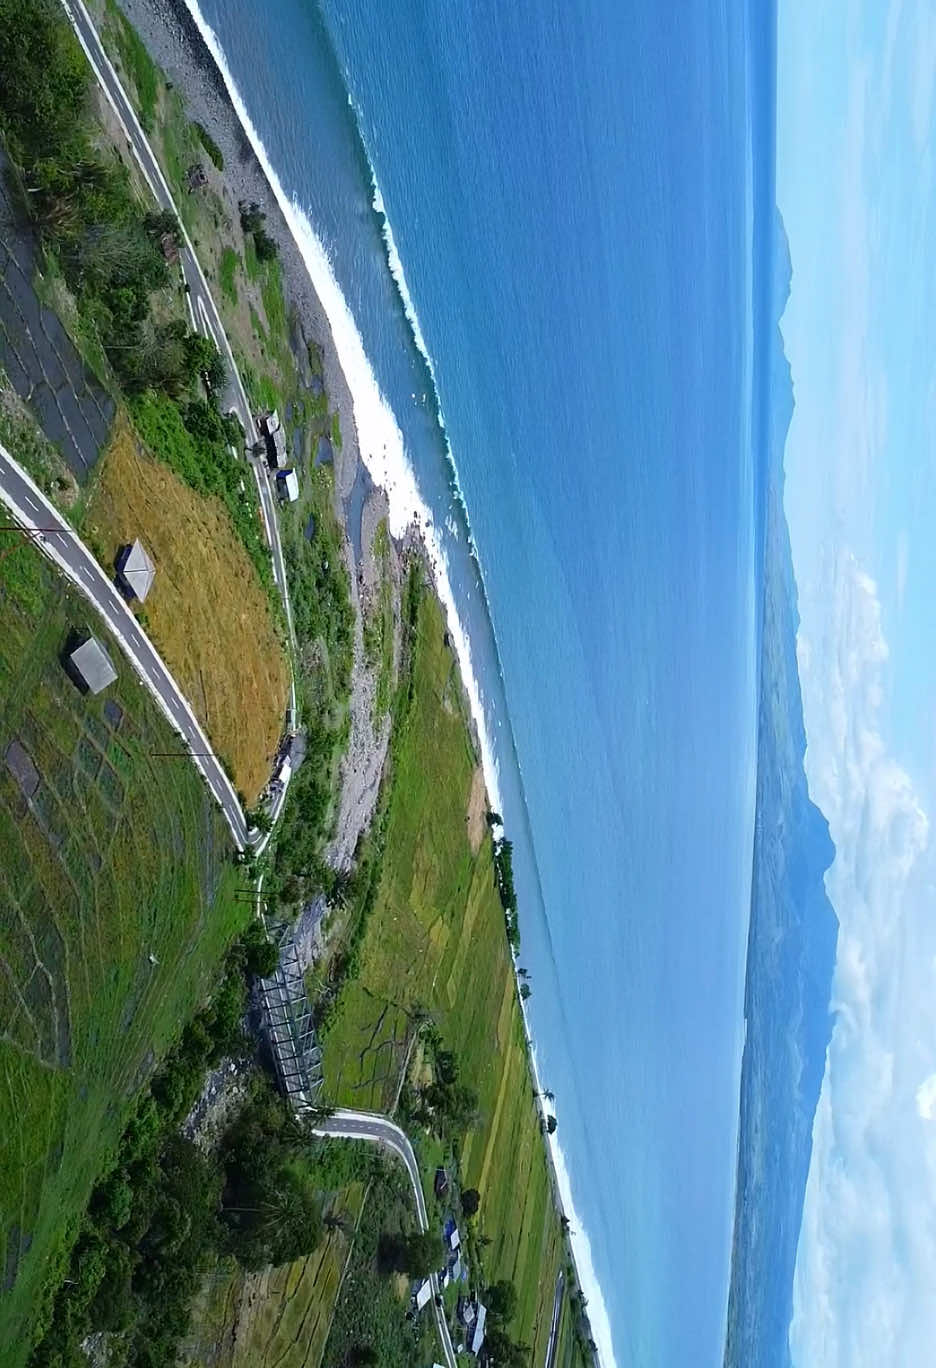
260,954
551,1124
501,1352
525,991
363,1356
418,1255
275,1216
502,1300
470,1201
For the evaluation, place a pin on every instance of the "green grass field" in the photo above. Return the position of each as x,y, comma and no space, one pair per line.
116,905
436,940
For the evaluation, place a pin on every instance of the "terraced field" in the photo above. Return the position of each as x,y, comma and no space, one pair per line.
436,941
280,1317
117,900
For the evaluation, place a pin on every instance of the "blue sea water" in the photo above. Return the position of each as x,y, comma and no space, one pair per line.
539,232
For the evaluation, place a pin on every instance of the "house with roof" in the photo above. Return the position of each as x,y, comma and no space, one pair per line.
275,439
422,1294
90,664
287,485
135,571
476,1338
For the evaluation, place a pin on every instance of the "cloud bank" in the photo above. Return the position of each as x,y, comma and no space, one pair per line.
866,1264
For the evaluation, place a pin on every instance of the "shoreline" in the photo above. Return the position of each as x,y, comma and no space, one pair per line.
175,41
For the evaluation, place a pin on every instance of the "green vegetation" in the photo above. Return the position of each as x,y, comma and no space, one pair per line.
369,1317
227,271
252,220
117,905
196,443
433,956
336,431
210,146
323,618
378,625
139,66
108,248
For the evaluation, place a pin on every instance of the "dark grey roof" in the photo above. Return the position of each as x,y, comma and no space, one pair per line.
19,763
137,570
93,664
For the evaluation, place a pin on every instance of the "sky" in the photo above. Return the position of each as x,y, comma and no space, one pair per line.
856,108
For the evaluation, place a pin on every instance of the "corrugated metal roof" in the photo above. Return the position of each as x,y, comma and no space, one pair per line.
94,665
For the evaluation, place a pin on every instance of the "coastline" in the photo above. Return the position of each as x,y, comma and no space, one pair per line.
173,38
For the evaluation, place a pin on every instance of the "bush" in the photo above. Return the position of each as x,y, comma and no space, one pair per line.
210,146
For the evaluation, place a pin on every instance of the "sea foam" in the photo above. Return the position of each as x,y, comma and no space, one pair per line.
380,440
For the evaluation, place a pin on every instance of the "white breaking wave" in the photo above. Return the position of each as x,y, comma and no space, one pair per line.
581,1246
383,451
380,440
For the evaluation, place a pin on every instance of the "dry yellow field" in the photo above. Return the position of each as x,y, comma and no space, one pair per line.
207,611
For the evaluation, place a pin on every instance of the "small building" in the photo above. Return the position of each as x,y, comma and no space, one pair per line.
268,423
135,570
440,1183
454,1239
277,454
195,177
422,1294
92,665
476,1338
287,484
466,1312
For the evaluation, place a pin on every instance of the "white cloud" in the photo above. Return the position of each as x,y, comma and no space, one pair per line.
926,1098
866,1261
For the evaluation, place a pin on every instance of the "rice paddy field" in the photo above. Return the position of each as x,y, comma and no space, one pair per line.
207,612
435,941
279,1317
118,898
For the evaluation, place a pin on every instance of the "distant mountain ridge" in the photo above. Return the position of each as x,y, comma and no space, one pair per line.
792,936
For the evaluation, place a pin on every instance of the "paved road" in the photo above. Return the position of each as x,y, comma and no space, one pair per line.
32,510
351,1125
553,1344
202,308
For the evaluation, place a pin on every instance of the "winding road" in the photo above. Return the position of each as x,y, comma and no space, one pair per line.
49,530
352,1125
33,511
202,308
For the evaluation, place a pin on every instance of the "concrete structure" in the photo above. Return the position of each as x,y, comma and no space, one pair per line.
476,1338
135,570
277,454
287,485
93,666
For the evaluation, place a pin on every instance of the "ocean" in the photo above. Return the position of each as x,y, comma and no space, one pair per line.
538,232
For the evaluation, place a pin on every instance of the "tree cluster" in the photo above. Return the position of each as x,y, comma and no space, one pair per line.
418,1255
110,251
253,221
446,1104
504,882
150,1221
